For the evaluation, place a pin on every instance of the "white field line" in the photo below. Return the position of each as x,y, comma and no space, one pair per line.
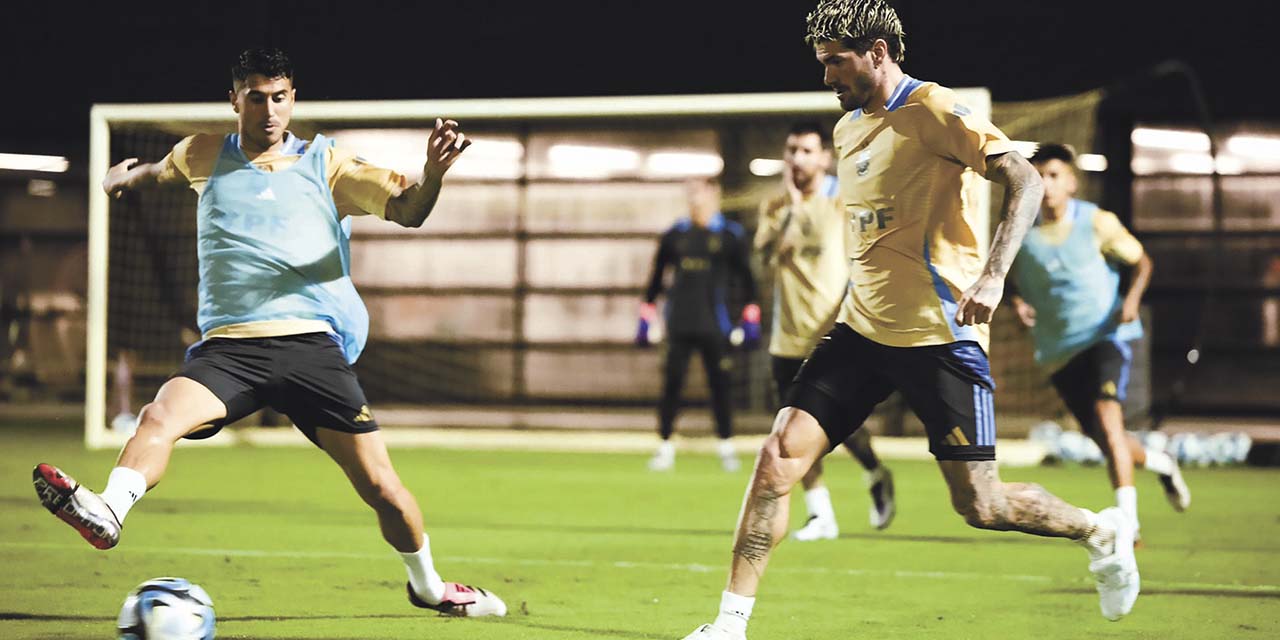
658,566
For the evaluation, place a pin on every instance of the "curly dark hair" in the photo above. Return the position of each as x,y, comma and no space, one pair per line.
857,24
272,63
1054,151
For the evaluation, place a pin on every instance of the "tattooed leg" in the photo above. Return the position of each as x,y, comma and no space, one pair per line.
796,442
987,503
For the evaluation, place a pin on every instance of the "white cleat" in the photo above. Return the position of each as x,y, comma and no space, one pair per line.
817,528
1117,574
709,632
1176,490
462,601
125,423
883,506
77,506
662,461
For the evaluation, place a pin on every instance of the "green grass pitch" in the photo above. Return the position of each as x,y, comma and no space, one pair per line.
595,546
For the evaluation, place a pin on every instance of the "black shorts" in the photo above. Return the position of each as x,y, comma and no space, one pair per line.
949,387
1100,372
784,373
305,377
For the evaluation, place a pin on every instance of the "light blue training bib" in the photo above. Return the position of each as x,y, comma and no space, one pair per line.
272,246
1074,290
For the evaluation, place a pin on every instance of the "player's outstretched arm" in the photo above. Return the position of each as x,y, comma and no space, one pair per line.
413,205
131,176
1023,191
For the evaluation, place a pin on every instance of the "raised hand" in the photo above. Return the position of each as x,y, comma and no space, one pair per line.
115,184
444,147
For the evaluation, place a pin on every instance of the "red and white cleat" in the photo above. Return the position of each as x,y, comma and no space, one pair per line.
462,601
77,506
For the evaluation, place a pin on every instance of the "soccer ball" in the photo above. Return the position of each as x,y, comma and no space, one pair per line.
166,609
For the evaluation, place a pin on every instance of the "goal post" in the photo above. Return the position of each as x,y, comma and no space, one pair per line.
545,301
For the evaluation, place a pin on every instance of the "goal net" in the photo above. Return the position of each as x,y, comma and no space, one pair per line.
521,289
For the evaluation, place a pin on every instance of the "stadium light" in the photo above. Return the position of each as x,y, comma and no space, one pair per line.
1094,162
1199,163
583,161
765,167
405,151
1252,146
683,163
1172,139
30,162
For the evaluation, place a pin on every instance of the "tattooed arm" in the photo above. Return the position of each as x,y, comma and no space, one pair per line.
1023,191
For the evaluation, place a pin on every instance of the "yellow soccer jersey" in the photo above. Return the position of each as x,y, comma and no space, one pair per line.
809,278
1113,240
358,189
907,174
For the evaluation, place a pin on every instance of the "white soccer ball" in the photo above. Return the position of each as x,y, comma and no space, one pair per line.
1190,450
1240,445
166,609
1154,440
1074,446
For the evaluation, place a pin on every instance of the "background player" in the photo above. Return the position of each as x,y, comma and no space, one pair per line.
802,237
705,251
915,315
281,320
1067,292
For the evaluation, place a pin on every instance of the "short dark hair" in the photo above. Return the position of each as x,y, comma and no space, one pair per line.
1054,151
808,127
857,24
272,63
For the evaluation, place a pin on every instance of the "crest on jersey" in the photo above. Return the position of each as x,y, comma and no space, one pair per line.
713,244
863,162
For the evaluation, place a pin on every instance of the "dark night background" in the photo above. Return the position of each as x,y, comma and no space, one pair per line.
59,60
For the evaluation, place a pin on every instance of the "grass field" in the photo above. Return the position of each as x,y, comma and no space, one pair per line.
594,546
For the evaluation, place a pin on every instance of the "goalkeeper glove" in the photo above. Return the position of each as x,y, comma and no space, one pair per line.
751,326
644,333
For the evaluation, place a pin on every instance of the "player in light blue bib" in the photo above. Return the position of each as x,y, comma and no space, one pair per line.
281,319
1067,279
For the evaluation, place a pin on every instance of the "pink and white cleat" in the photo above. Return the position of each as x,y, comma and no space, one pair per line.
462,601
77,506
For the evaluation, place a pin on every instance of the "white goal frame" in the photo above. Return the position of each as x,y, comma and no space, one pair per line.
103,117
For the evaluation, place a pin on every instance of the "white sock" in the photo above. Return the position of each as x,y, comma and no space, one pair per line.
422,573
124,487
1160,462
1127,500
667,449
1100,541
818,500
735,611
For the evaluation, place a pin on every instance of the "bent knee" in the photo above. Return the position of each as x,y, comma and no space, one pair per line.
775,472
157,420
382,492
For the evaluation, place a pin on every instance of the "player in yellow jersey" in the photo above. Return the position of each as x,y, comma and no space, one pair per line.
802,237
914,319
